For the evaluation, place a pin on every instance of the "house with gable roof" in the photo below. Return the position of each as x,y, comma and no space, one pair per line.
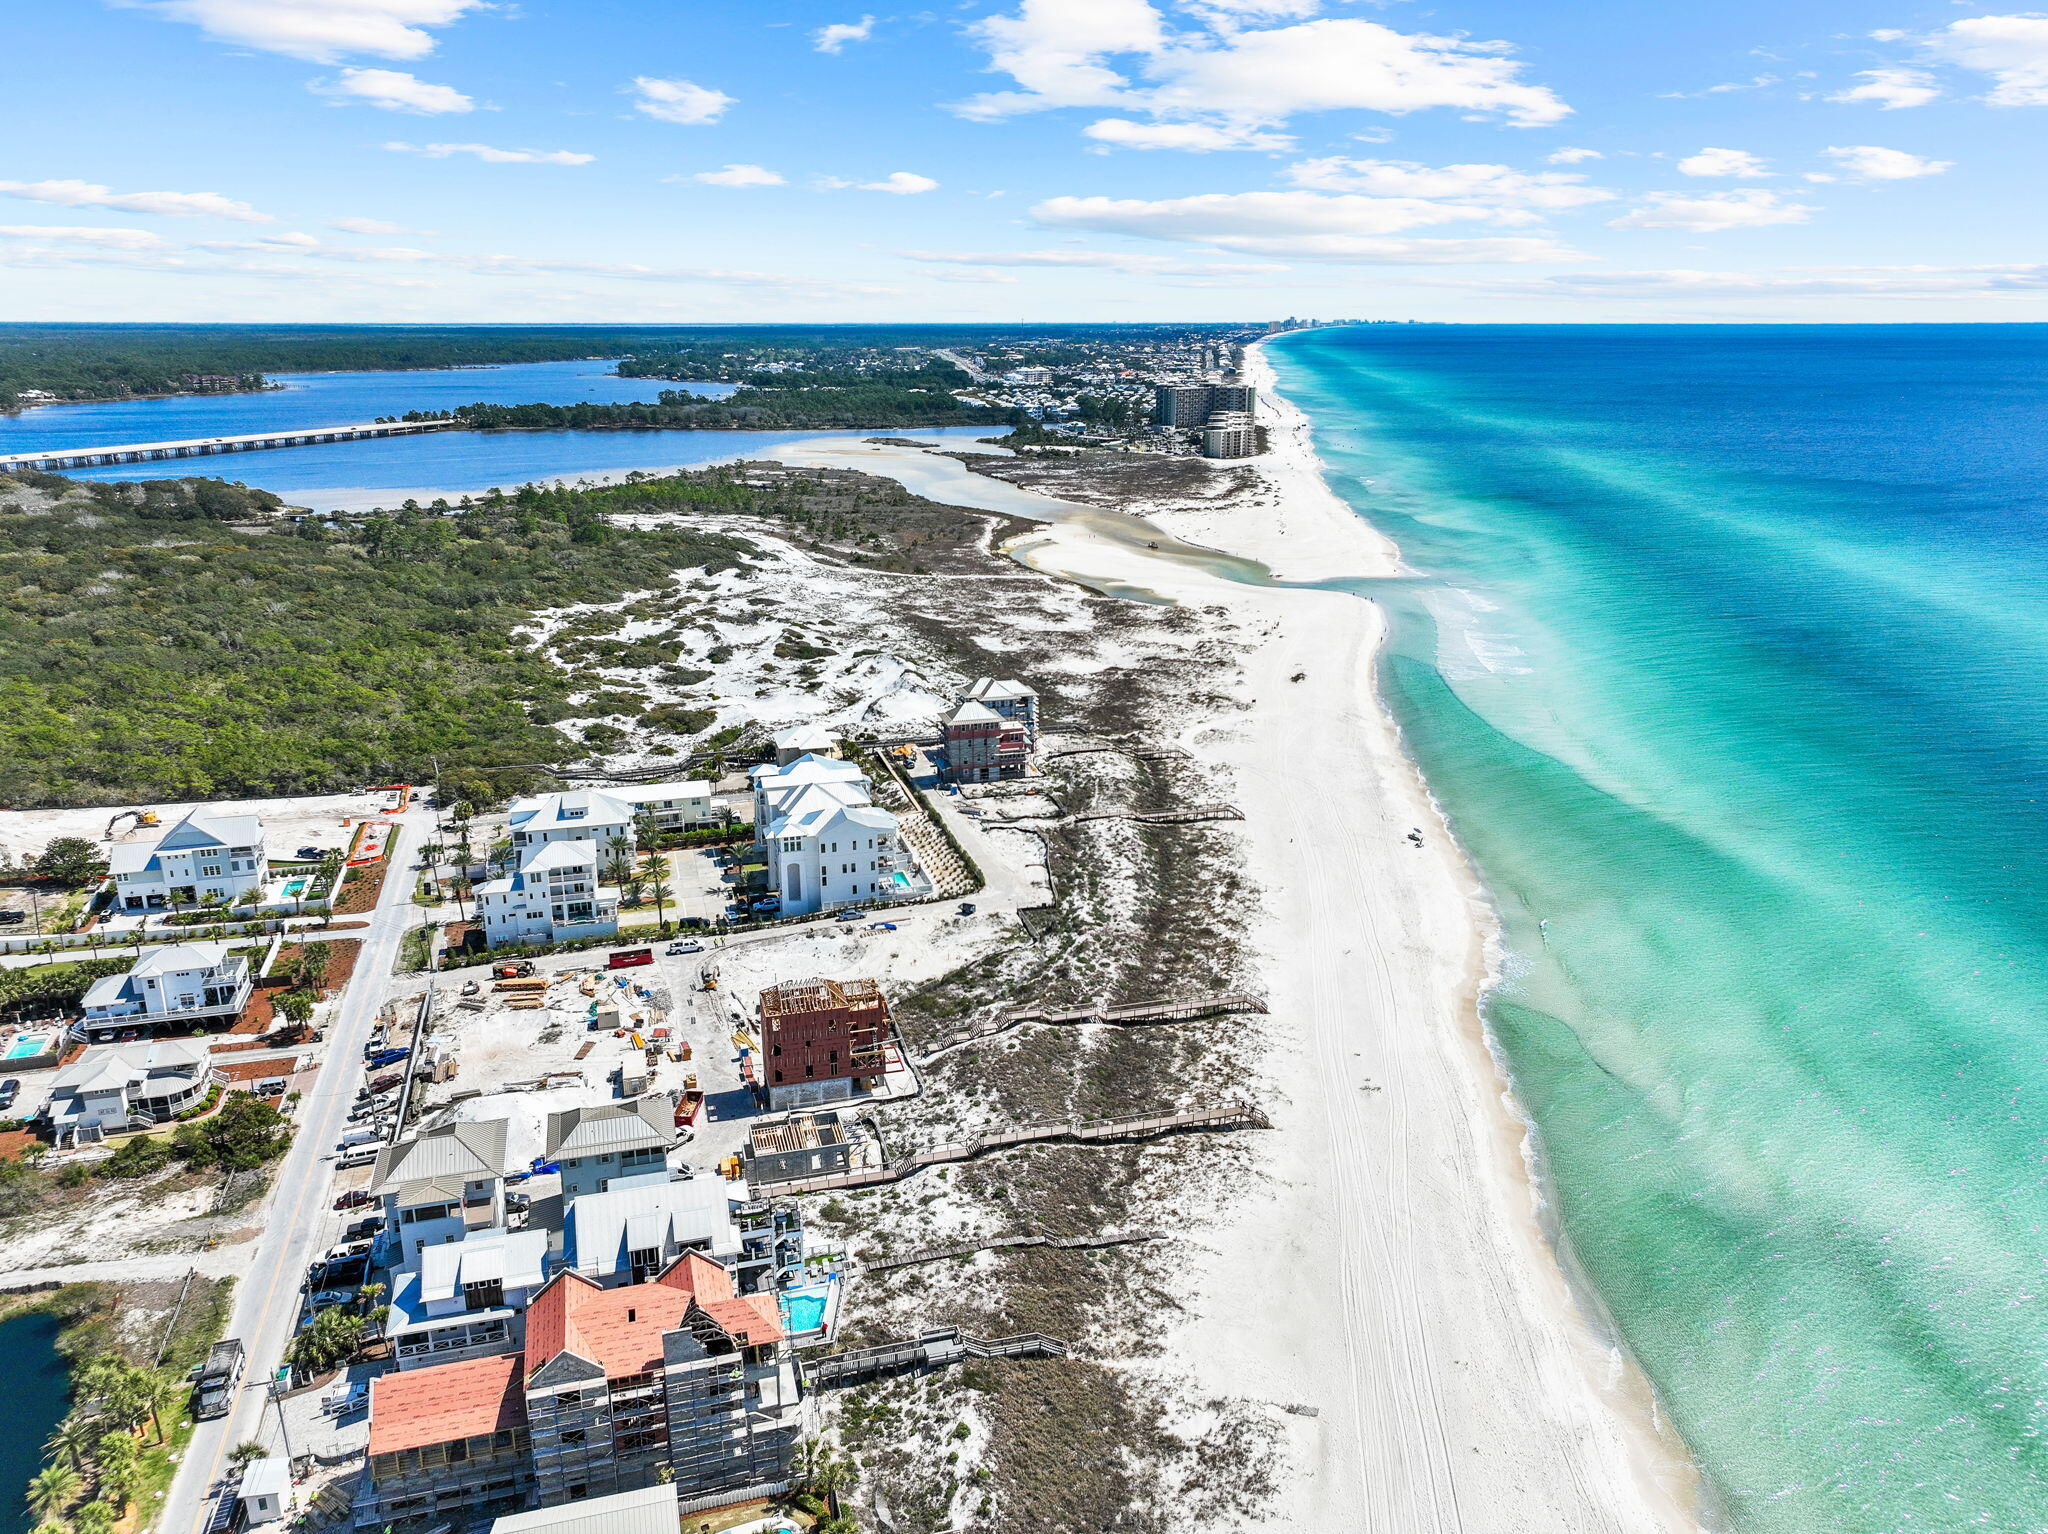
600,1144
207,855
828,843
442,1184
186,984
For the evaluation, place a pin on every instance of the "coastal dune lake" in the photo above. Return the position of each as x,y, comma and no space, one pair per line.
1729,663
355,476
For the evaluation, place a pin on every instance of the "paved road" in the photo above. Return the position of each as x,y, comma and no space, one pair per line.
267,1298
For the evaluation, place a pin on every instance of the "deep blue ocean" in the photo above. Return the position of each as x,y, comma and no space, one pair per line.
1729,663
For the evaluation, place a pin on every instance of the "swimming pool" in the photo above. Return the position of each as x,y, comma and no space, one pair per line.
901,879
24,1045
294,888
804,1312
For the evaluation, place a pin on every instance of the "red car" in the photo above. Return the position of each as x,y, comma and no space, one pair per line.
354,1200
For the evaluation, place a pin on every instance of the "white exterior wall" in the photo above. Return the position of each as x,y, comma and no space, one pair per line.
842,864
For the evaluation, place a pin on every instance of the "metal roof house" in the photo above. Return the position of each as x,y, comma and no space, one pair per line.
128,1086
188,984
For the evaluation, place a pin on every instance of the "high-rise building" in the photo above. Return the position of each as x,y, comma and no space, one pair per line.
1230,434
1191,405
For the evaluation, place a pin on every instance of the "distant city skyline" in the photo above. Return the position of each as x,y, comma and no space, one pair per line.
615,160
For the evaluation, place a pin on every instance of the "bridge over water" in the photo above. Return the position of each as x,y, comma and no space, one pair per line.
55,459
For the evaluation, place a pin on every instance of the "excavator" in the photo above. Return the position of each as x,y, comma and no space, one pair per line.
142,818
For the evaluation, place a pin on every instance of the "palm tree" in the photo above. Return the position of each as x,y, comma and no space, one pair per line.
51,1491
247,1452
661,893
95,1518
164,1396
71,1445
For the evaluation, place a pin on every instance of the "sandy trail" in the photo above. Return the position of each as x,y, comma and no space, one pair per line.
1391,1272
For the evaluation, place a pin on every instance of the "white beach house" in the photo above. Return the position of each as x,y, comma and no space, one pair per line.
128,1086
563,844
557,893
439,1186
637,1227
183,983
827,845
598,1145
206,856
466,1298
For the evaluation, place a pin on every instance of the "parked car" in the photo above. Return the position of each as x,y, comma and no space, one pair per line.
9,1090
357,1137
344,1272
348,1249
12,918
383,1057
355,1198
675,948
362,1229
851,913
311,852
327,1299
966,908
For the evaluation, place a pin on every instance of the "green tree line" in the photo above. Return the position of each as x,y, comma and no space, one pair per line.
186,639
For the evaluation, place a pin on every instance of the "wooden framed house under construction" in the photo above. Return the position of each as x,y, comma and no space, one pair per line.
822,1041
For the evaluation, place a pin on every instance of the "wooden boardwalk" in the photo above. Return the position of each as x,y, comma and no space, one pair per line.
1006,1243
1145,1126
933,1350
1138,1014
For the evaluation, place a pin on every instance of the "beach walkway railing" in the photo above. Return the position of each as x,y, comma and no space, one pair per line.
1144,1126
1135,1015
933,1350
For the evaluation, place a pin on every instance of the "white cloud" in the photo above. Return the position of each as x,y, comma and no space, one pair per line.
87,194
1109,260
2013,50
1345,64
492,155
365,225
1738,163
831,39
1891,88
1301,224
678,101
1754,83
1573,156
1059,53
1868,162
112,239
1054,49
1494,184
1711,212
973,276
1196,138
323,31
737,175
1914,282
395,91
903,183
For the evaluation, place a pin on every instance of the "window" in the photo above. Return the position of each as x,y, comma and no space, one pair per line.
573,1435
569,1398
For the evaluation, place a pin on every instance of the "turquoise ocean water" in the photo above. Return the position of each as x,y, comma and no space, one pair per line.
1730,667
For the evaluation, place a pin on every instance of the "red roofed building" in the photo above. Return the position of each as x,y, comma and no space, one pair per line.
446,1438
613,1384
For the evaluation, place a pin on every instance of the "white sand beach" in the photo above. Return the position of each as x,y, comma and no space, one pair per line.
1389,1282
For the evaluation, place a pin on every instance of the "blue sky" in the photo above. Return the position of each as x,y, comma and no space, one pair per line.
650,160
